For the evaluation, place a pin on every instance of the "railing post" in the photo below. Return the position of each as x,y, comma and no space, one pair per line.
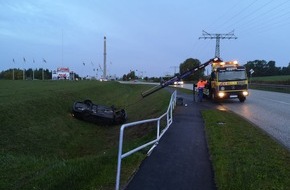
171,111
119,166
158,129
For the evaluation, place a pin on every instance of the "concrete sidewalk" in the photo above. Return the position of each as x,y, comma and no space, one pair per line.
181,159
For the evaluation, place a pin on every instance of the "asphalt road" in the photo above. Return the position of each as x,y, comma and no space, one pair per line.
268,110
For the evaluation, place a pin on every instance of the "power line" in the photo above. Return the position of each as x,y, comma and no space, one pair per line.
270,21
252,23
255,16
243,10
273,25
225,36
248,15
224,15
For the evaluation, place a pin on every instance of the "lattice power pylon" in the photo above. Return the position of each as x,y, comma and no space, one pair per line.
218,37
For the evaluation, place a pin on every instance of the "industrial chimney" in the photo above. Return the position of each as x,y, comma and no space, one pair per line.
105,65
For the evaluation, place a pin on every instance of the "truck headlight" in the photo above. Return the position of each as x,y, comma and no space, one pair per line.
221,94
245,93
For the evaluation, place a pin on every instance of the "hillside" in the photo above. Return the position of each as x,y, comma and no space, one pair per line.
44,147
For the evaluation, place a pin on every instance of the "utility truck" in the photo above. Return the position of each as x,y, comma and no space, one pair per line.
227,80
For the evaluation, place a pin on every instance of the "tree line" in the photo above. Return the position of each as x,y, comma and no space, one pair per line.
260,67
29,74
263,68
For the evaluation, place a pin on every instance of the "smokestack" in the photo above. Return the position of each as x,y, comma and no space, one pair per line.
105,54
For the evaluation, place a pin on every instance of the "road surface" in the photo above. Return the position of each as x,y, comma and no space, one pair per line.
268,110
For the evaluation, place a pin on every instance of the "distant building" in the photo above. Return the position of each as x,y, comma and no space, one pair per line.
62,73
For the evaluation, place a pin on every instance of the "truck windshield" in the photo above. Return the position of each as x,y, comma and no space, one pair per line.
232,75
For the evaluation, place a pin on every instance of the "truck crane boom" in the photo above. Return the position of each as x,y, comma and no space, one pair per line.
178,77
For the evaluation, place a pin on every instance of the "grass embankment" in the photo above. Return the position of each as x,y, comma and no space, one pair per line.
271,83
281,79
43,147
243,156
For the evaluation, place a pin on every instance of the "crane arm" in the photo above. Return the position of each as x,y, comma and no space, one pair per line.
177,78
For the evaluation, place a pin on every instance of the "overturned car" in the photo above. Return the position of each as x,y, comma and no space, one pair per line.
88,111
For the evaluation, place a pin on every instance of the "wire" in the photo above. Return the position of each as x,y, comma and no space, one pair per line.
223,15
249,14
240,12
253,22
243,10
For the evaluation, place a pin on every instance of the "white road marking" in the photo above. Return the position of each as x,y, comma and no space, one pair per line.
281,102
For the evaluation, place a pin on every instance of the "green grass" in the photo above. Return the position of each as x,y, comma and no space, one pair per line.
243,156
271,87
281,79
43,147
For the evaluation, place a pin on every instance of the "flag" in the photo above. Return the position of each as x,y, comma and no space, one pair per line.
44,60
84,63
33,61
24,59
13,60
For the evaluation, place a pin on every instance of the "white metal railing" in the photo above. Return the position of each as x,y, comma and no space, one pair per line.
168,114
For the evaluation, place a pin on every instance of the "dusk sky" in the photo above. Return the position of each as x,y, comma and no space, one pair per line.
151,37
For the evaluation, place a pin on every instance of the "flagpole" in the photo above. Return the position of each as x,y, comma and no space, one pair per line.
33,71
13,70
42,69
84,64
24,68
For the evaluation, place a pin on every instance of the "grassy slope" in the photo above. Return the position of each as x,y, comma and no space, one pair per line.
43,147
243,156
283,79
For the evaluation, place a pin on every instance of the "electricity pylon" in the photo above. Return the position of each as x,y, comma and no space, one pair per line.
218,37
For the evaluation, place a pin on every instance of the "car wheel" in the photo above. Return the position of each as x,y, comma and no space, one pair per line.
86,116
88,102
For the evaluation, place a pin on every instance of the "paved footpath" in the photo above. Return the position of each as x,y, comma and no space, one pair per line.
181,159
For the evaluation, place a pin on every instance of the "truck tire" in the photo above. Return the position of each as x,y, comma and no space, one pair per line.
242,99
213,97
